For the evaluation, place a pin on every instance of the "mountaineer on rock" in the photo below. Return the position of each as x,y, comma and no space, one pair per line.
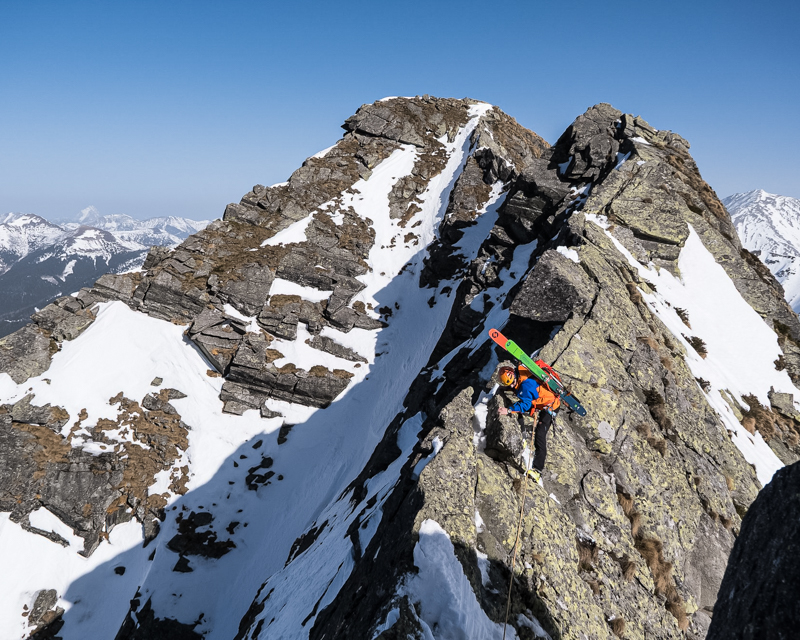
538,406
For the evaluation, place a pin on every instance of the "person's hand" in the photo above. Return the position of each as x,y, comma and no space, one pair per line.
502,411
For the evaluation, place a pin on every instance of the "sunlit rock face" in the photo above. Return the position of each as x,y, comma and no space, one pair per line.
288,427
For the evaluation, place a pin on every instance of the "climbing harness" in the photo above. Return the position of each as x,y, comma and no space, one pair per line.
519,529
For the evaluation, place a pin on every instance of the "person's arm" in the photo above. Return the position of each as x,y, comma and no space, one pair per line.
528,392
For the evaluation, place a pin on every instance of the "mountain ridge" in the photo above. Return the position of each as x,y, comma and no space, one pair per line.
38,258
296,405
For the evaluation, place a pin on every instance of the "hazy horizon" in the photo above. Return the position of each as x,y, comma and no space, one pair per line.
154,109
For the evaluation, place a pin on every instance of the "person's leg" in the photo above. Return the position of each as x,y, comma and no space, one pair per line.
540,439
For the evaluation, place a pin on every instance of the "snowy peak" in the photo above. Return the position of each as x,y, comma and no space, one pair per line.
20,234
760,202
88,216
90,242
769,226
162,231
40,261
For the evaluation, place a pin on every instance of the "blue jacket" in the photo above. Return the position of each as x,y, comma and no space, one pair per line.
527,392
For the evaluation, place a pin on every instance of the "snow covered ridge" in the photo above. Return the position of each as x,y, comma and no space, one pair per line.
41,261
287,427
20,234
769,226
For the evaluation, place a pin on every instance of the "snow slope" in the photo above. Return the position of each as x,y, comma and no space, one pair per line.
769,225
707,294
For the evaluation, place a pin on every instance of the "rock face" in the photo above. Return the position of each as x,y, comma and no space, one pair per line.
758,596
89,491
647,493
579,252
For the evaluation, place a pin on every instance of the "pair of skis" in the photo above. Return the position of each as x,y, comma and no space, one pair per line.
541,375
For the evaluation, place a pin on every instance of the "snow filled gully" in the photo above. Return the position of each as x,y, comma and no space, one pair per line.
299,485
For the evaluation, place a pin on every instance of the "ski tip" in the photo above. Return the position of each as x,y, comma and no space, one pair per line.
498,337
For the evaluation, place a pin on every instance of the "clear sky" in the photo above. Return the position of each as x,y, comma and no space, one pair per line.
179,107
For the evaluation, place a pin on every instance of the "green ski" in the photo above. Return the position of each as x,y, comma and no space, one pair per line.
551,381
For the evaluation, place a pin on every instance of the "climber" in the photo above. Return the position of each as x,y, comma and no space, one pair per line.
533,398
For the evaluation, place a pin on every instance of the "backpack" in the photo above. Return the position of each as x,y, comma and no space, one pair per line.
547,398
548,369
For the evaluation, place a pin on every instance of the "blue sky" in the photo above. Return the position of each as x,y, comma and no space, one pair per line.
178,107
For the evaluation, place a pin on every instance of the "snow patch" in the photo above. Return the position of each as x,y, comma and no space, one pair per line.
569,253
481,414
68,269
299,353
443,594
324,152
391,619
288,288
621,159
46,520
437,447
252,325
294,233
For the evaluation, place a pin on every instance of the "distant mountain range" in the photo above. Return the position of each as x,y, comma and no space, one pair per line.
42,260
769,226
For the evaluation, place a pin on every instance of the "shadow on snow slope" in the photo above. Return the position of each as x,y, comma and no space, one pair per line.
307,494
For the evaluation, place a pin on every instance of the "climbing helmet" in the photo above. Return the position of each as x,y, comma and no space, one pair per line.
506,376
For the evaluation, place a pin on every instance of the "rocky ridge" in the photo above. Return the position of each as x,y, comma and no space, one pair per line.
641,502
649,492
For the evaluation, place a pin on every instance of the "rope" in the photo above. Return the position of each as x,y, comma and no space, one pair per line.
519,529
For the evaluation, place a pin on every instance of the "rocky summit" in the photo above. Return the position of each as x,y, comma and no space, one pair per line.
289,427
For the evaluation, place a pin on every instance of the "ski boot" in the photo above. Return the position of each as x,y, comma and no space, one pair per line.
536,475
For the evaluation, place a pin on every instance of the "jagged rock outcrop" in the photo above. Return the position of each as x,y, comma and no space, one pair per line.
90,491
561,247
557,290
647,494
758,596
26,353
